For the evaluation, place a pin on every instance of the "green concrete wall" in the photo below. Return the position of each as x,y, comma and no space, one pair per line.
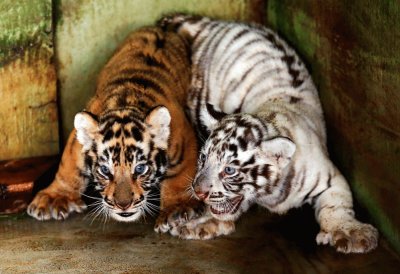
88,32
28,112
352,49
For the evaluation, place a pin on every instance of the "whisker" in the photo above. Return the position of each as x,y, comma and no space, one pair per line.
143,215
149,209
92,213
152,195
106,215
96,215
94,209
202,138
152,206
189,191
153,199
188,178
91,197
95,204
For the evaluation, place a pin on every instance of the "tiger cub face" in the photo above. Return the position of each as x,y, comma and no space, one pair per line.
238,164
125,157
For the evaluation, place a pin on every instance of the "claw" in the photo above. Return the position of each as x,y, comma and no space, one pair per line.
171,219
204,229
44,207
351,238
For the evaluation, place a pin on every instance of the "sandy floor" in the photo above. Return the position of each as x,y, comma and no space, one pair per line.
261,244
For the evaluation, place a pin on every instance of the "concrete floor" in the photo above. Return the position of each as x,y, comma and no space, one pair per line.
261,244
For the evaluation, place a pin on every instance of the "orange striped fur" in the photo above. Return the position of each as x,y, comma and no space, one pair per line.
132,138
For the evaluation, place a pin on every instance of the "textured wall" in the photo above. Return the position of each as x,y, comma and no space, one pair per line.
352,49
28,112
88,32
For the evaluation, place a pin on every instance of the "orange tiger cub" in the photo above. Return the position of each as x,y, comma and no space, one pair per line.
132,138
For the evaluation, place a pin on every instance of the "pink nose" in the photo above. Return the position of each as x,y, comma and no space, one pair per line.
124,204
202,195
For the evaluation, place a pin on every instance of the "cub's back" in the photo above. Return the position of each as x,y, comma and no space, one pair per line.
155,62
239,66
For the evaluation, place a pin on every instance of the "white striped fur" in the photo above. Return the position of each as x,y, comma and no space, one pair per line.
273,138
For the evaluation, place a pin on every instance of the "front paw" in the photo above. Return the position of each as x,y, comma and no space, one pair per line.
205,229
171,218
351,238
46,206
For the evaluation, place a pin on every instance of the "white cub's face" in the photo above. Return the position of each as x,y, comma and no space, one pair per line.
237,164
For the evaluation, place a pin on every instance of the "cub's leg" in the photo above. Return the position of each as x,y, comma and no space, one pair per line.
177,205
339,228
204,228
63,196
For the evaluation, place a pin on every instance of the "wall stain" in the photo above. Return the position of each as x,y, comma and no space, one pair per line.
351,48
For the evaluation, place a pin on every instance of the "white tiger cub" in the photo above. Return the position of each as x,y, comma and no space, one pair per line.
271,148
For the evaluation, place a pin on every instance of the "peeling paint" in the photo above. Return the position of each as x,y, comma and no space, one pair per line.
29,109
29,119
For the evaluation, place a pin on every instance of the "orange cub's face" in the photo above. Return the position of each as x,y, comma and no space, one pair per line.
125,158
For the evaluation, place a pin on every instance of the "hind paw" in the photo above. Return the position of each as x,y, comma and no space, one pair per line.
45,206
353,238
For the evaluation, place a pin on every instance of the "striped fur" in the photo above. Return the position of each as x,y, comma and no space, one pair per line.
133,138
255,101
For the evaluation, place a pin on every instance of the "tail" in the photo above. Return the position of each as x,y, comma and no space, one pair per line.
184,24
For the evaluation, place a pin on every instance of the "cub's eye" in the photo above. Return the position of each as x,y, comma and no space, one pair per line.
141,169
229,170
203,157
105,170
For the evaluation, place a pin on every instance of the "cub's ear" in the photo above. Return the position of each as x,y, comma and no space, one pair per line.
158,121
86,126
215,115
279,150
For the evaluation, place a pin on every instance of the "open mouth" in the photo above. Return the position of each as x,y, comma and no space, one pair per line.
125,214
230,206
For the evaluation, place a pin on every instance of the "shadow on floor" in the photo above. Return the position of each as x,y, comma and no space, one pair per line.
262,243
